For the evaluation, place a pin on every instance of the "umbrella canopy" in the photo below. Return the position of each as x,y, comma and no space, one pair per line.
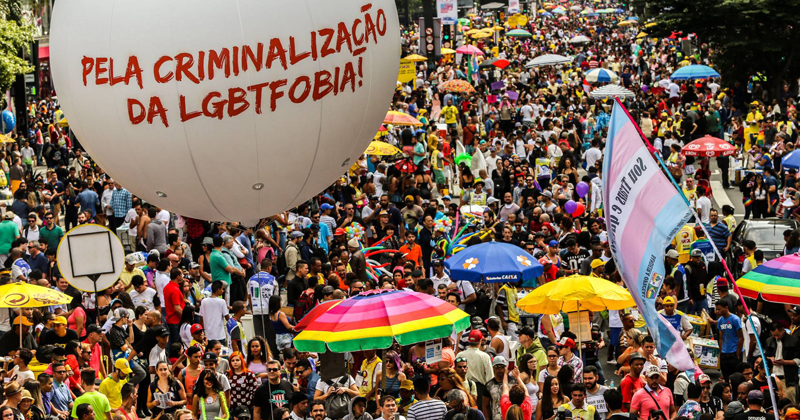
546,14
472,32
481,34
519,33
579,39
375,319
601,75
493,262
707,147
695,71
500,63
641,35
405,166
563,18
619,11
463,21
25,295
605,11
457,86
575,292
415,58
381,132
5,139
469,50
559,10
587,10
576,8
776,281
315,313
611,91
493,6
791,160
398,118
448,51
381,148
548,60
650,25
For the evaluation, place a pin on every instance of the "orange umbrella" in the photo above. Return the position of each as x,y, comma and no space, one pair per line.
398,118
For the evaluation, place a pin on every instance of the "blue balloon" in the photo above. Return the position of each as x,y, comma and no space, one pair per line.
9,121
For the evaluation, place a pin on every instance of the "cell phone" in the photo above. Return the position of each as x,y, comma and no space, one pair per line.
512,365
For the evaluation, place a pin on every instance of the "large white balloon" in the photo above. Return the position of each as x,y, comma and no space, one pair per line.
223,109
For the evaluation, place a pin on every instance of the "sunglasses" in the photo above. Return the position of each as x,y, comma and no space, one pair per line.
273,370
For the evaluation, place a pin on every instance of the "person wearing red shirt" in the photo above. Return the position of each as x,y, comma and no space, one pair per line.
632,382
174,304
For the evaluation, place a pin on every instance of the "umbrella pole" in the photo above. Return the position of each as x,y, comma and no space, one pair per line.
580,348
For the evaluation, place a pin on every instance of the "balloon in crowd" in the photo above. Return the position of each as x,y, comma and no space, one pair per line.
9,121
244,113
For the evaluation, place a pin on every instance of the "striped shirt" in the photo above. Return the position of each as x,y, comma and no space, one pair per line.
719,234
429,409
120,202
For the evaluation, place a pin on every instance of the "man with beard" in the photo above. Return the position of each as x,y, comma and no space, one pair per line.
111,386
318,410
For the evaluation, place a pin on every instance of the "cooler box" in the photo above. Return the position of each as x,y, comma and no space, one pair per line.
706,352
699,326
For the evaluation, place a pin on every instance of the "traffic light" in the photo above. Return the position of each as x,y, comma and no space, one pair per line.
447,40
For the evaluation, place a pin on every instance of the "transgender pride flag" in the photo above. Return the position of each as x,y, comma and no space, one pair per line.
644,212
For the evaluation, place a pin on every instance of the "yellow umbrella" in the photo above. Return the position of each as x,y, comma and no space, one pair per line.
498,28
651,24
380,148
481,35
398,118
381,132
448,51
641,35
575,293
415,58
472,32
24,295
625,23
542,11
488,30
5,139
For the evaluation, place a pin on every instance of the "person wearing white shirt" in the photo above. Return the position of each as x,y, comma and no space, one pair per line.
593,154
141,295
161,280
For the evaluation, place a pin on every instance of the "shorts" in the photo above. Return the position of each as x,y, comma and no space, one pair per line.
438,176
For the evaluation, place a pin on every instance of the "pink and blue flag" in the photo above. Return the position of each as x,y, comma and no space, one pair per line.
644,212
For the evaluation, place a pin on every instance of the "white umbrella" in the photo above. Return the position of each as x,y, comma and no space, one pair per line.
601,75
548,60
492,6
576,8
579,39
611,91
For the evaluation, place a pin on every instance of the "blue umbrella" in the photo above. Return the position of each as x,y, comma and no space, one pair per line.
601,75
632,18
546,14
494,262
619,11
792,160
593,14
694,71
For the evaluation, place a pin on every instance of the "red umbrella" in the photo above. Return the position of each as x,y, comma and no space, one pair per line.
405,166
315,313
708,146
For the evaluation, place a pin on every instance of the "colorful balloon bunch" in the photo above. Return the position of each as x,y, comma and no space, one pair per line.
355,230
373,268
575,209
457,241
443,224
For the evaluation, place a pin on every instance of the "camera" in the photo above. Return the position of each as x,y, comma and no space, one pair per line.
657,415
563,414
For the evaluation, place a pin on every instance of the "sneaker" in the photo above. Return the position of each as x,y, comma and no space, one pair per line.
612,362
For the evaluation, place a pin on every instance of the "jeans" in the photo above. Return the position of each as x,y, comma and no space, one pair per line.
699,305
138,374
174,334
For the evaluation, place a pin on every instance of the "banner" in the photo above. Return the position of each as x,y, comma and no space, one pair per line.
408,71
513,6
644,212
447,11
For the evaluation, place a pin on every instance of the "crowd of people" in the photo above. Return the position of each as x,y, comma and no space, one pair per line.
168,339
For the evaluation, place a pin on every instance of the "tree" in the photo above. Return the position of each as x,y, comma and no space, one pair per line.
745,37
13,39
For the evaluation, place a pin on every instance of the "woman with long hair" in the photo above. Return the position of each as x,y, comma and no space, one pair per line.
449,380
209,402
515,413
722,390
527,374
243,382
205,258
760,195
394,376
280,324
35,388
27,405
187,320
552,366
551,399
166,394
633,341
258,355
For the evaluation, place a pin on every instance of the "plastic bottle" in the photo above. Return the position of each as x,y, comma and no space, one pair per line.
611,385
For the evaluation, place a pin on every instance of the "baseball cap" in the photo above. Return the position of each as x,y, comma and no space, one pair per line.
703,378
475,336
9,215
548,194
194,265
499,361
122,365
327,290
60,320
598,263
94,328
637,355
653,370
240,412
566,342
296,234
672,254
447,197
339,231
553,243
669,300
409,198
407,385
722,281
22,320
325,206
755,395
696,253
794,310
210,356
196,328
160,330
734,408
120,313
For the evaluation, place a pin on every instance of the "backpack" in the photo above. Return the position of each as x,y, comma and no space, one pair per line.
281,265
765,322
337,406
304,304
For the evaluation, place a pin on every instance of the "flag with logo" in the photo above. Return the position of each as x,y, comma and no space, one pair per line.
644,212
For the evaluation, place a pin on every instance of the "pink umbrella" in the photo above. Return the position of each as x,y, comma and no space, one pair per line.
562,18
469,49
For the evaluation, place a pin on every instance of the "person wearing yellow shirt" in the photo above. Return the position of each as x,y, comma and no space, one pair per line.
683,243
129,271
752,124
691,190
450,114
111,386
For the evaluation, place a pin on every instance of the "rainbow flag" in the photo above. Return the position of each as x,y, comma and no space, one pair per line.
644,212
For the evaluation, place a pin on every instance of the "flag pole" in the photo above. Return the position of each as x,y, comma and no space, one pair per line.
719,255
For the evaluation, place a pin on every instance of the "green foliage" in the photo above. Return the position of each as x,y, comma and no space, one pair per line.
13,39
745,37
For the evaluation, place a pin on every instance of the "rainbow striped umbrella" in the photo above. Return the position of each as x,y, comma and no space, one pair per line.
776,281
376,318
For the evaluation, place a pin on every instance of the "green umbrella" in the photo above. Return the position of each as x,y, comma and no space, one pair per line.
464,158
463,21
519,33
